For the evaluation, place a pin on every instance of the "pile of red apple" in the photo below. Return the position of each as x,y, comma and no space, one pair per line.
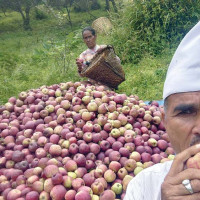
77,141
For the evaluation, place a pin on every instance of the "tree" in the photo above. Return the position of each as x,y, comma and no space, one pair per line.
68,5
108,5
3,6
23,7
60,4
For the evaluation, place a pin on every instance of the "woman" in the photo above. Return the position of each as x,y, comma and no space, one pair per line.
89,37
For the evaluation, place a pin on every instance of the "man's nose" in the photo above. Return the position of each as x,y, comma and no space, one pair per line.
196,128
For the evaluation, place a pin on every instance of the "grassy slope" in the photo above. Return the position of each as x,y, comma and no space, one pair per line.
32,59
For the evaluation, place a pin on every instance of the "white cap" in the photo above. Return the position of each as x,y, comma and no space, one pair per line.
183,74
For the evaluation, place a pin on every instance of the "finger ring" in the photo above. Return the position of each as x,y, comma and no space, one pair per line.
188,186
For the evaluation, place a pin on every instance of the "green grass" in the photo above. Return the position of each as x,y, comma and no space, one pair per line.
30,59
146,78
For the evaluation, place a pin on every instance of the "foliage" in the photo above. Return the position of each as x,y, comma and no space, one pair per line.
23,7
151,26
95,5
146,78
86,5
44,56
40,14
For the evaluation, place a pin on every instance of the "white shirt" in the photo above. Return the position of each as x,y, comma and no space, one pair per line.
147,184
88,54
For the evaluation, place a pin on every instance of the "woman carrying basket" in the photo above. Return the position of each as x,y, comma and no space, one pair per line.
89,38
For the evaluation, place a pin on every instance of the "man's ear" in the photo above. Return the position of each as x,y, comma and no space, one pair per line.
163,117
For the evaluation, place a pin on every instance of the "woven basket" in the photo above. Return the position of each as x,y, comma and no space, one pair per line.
105,68
102,25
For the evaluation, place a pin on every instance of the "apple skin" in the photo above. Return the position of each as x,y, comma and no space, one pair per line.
107,195
98,173
194,162
84,148
31,180
32,195
136,156
5,193
70,195
125,181
138,170
117,188
55,150
50,170
122,172
88,179
114,156
48,185
44,196
105,145
38,186
58,192
80,172
80,159
13,194
97,187
71,166
18,156
95,148
77,183
83,195
117,145
102,166
67,181
57,178
130,165
115,166
109,175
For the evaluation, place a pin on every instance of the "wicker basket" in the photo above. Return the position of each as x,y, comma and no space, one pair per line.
105,68
102,25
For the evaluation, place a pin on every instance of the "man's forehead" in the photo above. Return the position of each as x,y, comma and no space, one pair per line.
184,98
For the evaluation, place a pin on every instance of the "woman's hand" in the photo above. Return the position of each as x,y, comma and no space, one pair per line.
79,63
172,187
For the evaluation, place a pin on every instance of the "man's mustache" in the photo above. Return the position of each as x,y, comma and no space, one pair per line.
195,140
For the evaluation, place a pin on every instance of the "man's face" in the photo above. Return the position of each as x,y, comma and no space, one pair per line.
89,39
182,120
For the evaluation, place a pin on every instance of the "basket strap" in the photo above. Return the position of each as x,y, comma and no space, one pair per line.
109,46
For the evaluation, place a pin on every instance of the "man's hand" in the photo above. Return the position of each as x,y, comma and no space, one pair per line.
172,187
79,63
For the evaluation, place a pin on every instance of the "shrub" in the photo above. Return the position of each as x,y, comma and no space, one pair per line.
85,5
40,14
149,26
95,5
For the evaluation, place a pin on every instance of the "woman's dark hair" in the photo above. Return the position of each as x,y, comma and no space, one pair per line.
89,29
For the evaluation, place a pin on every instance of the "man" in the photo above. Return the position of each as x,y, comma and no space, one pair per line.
181,94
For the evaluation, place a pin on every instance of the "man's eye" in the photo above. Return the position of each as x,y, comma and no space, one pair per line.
187,112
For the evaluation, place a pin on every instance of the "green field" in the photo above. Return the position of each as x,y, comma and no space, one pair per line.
46,55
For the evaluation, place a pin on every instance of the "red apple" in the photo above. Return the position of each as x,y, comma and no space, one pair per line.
32,195
58,192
